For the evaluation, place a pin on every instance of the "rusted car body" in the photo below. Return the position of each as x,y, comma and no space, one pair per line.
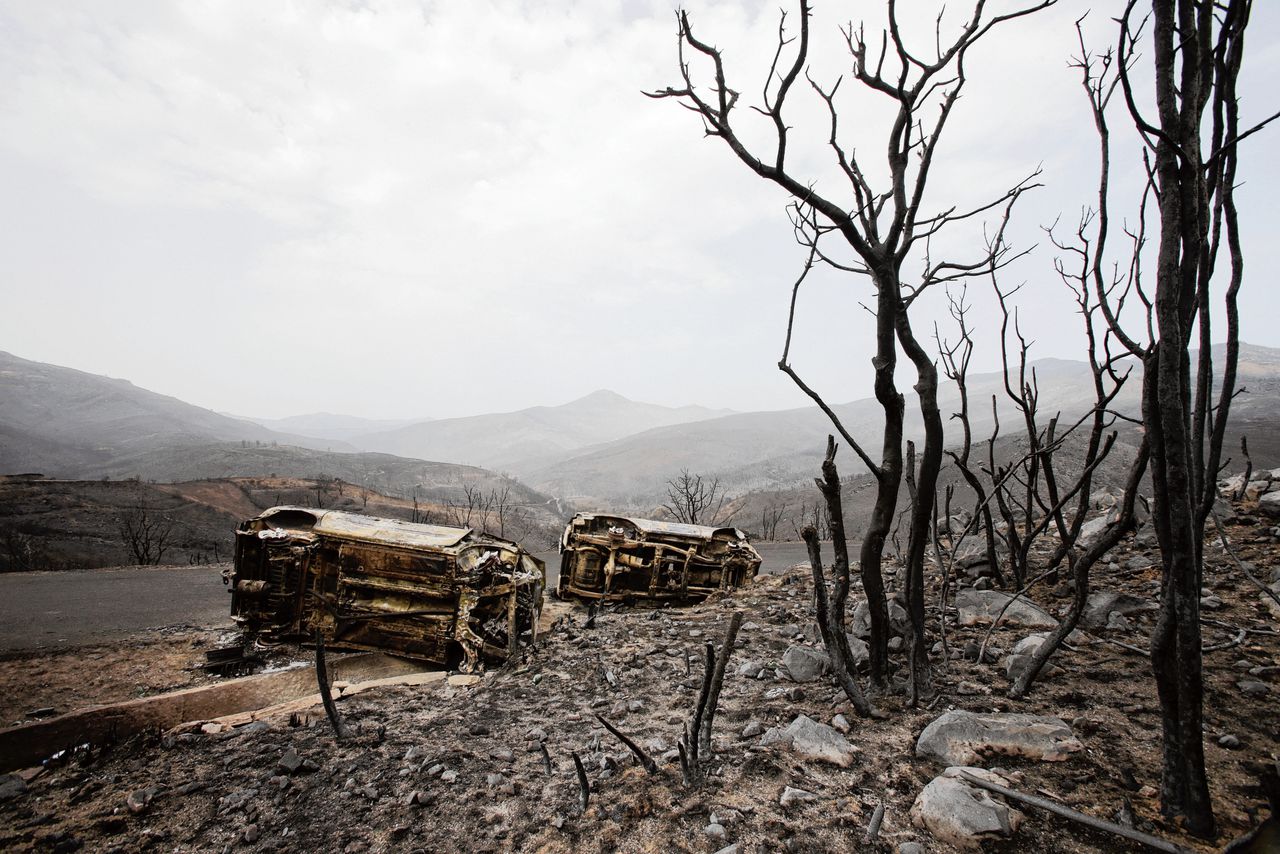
451,596
617,557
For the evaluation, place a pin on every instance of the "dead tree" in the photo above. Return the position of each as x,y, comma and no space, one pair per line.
693,499
1191,141
882,227
955,366
146,533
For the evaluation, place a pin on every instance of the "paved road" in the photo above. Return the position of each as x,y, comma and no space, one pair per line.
64,609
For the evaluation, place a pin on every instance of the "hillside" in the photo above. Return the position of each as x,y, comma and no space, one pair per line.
504,440
62,421
762,451
50,524
330,426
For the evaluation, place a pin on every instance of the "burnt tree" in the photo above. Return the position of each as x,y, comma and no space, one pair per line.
884,225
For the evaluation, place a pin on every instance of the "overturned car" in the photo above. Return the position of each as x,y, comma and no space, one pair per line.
617,557
450,596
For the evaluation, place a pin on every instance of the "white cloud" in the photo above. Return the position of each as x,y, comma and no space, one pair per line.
442,207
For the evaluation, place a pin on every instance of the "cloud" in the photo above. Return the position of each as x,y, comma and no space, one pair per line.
441,207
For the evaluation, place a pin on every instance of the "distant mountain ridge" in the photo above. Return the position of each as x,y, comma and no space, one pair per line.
60,420
503,440
332,426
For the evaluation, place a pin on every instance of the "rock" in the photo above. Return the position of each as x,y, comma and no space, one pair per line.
464,680
1099,607
804,664
503,754
290,762
858,649
11,785
841,724
750,669
961,815
141,799
1211,602
251,834
714,832
1231,487
752,729
1230,742
898,620
792,796
1253,688
449,776
1269,505
977,607
911,848
806,737
211,728
968,738
1255,489
735,848
725,816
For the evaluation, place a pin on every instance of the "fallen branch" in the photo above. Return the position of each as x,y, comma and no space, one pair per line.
1087,820
645,759
1222,535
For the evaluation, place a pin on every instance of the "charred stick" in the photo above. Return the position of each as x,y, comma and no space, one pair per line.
1066,812
717,681
645,759
326,696
546,757
708,670
873,829
584,788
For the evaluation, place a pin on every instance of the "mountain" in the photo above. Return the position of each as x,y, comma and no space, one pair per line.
327,425
58,420
524,437
763,451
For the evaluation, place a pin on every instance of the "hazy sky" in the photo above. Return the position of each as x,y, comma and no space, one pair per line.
399,209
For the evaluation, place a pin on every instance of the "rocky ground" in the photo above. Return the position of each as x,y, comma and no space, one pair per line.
462,767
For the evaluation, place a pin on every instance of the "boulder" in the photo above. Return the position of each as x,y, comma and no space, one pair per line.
961,815
898,620
977,607
806,737
805,664
966,738
858,647
1101,605
1269,504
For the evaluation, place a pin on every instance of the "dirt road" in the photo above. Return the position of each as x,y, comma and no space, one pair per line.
55,610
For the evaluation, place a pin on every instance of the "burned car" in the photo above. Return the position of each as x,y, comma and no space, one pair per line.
617,557
451,596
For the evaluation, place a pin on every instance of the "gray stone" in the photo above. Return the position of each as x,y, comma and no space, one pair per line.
962,815
977,607
911,848
792,796
752,729
750,669
841,724
804,664
967,738
1230,742
11,785
806,737
714,832
735,848
1269,504
1253,688
290,762
1101,605
1255,489
861,626
858,649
